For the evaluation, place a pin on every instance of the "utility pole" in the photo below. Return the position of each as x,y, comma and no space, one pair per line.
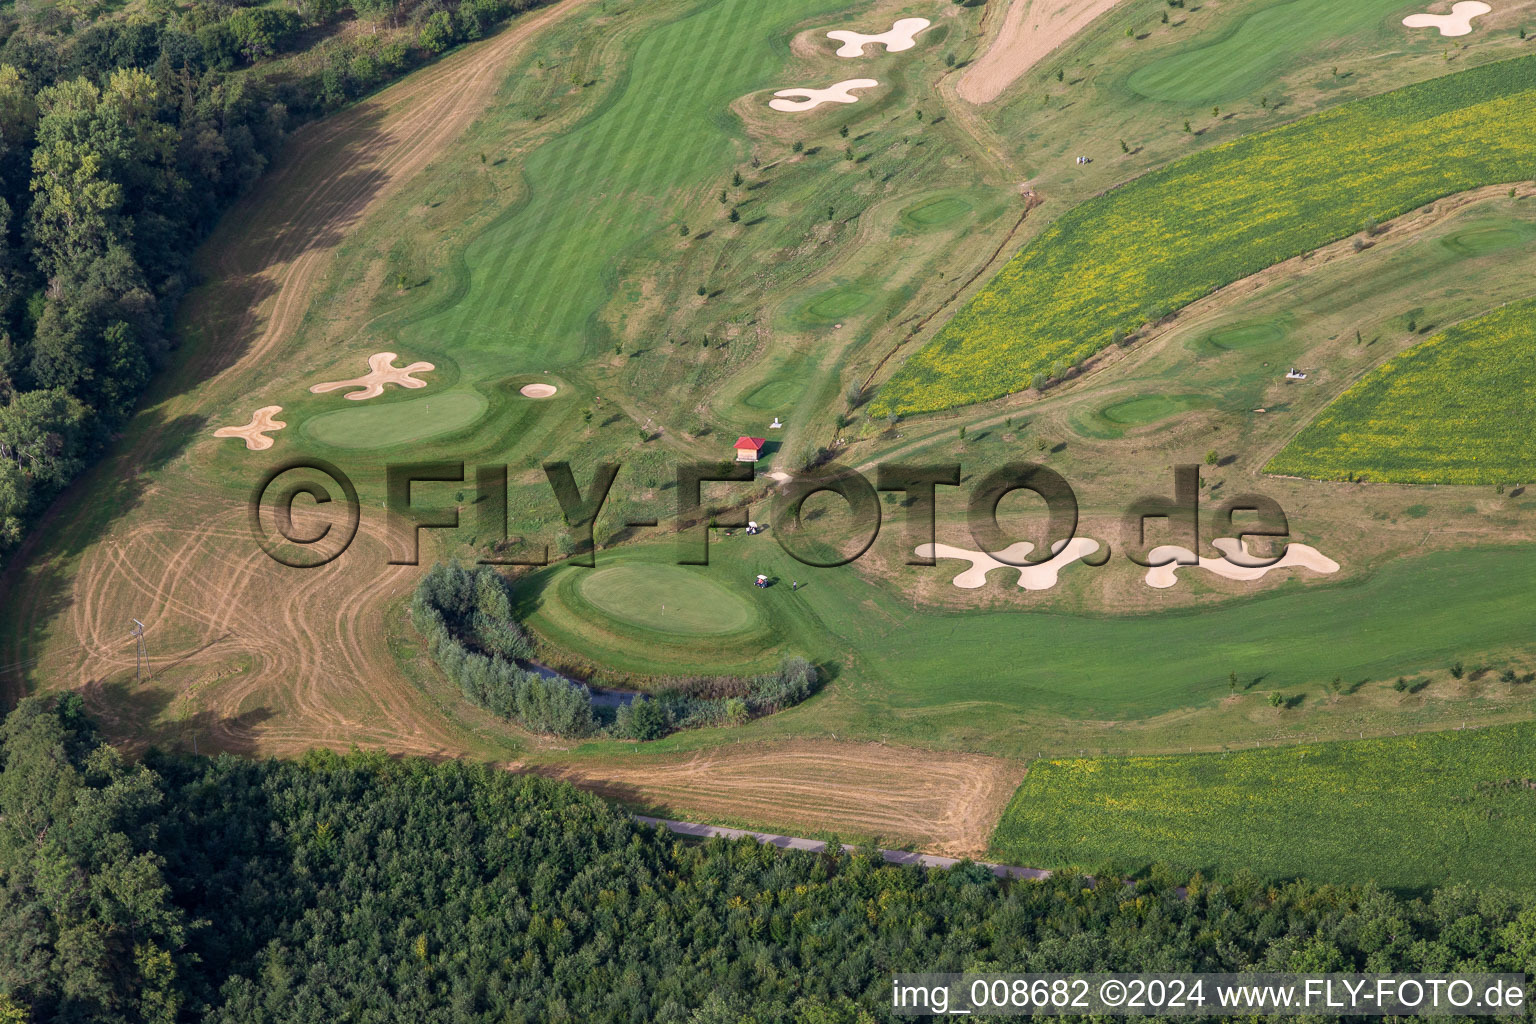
141,653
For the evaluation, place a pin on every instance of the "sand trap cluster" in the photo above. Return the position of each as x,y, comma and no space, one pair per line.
381,371
254,433
902,36
1457,23
1031,577
1238,563
813,98
537,390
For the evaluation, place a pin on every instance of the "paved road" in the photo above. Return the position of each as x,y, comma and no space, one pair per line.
927,860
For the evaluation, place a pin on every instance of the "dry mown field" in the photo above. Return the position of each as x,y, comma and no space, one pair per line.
940,803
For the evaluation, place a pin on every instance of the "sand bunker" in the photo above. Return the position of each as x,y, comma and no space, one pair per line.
902,36
1031,577
254,432
1457,23
537,390
381,371
1031,30
814,98
1238,563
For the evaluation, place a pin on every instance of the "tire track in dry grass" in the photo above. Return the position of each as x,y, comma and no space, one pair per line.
320,672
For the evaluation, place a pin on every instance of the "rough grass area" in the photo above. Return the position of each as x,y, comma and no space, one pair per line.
1455,409
1408,812
1137,253
1238,62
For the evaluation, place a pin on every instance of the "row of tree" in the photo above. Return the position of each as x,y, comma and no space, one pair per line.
466,616
733,701
367,888
120,144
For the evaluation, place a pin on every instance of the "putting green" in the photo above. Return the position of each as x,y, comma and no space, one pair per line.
1151,408
935,211
837,303
1240,336
380,426
776,394
1490,237
1249,56
667,599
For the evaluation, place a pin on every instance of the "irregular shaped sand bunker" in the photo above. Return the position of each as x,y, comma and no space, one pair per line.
381,371
1031,577
1457,23
537,390
254,433
1238,563
902,36
814,98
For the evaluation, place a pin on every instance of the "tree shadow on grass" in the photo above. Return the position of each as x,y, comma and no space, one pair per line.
135,715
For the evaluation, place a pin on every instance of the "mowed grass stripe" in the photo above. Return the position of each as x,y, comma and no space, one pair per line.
1456,409
1408,812
1026,666
1144,250
1258,48
599,190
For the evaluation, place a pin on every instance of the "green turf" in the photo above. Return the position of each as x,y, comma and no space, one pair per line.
1113,420
1262,45
776,394
1142,251
1244,336
1490,236
836,303
1457,408
1409,812
393,423
666,598
951,676
602,188
610,617
935,211
1151,408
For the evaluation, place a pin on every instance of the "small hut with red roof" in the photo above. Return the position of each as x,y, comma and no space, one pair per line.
749,448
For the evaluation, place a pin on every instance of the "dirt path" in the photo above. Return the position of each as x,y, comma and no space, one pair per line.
926,860
1031,30
944,802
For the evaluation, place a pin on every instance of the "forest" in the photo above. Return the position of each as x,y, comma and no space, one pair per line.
122,139
366,888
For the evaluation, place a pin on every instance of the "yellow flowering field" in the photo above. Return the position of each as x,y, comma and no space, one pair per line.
1407,811
1152,246
1456,409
